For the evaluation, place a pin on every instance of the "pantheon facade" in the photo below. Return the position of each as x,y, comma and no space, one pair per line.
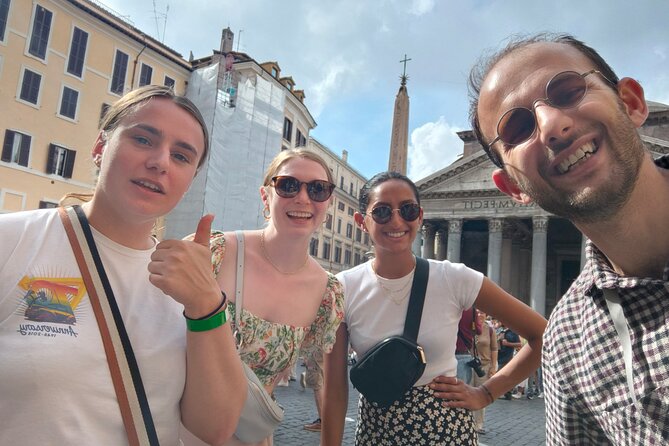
531,253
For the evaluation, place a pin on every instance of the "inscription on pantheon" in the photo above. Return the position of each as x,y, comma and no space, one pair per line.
495,204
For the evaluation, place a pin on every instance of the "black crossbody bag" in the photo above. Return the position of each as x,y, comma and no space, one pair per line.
393,366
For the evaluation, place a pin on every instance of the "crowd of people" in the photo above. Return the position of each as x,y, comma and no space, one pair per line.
560,127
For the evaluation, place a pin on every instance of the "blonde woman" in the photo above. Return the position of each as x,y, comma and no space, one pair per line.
291,306
56,386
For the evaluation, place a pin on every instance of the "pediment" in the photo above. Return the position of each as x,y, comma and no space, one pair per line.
465,176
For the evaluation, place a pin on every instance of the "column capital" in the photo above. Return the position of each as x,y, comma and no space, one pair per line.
428,230
455,226
495,225
540,223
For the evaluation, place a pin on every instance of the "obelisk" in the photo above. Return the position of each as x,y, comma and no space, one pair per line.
399,139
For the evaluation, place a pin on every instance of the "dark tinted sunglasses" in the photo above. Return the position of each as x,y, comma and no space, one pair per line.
289,187
564,90
383,213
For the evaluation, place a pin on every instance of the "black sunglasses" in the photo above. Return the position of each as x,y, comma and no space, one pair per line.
564,90
383,213
289,187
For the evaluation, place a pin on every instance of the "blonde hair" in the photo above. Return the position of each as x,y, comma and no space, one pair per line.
286,155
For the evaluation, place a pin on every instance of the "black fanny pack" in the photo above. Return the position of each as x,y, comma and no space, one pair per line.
390,368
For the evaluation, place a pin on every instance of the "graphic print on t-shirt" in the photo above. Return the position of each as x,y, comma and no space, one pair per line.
50,299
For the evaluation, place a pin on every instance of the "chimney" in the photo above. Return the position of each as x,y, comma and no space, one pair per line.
227,37
344,156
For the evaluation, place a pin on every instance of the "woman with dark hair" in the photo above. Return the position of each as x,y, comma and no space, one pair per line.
56,384
437,409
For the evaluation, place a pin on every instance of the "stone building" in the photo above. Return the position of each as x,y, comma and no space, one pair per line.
530,253
62,62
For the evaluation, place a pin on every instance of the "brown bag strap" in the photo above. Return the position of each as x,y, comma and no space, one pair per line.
120,357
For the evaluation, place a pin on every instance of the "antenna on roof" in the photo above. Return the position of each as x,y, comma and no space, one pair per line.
160,16
239,39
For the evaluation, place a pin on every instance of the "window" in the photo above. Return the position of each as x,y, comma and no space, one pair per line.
313,247
275,73
47,204
145,75
341,183
30,86
60,161
358,234
347,257
366,238
103,111
4,13
341,206
39,38
75,62
350,189
287,129
328,221
68,103
349,230
119,72
339,226
326,249
351,211
16,148
169,82
300,140
337,254
356,259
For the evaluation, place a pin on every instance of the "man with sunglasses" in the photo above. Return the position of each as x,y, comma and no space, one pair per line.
562,129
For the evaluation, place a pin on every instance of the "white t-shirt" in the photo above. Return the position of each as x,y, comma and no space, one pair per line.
55,385
371,316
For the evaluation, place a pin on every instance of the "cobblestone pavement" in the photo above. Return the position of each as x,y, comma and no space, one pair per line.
508,423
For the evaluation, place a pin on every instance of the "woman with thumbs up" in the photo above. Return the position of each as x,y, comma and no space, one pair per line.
53,354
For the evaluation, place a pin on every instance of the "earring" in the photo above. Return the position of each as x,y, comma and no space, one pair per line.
97,160
265,213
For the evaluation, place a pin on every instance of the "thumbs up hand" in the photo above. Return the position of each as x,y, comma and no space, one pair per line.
182,269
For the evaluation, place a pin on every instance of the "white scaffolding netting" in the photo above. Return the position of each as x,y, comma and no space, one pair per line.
244,139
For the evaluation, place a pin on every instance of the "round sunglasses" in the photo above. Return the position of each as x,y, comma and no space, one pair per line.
564,90
383,213
288,187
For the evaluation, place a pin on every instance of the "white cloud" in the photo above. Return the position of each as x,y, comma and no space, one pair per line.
333,81
434,145
420,7
660,51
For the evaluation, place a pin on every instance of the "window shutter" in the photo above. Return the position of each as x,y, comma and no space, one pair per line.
50,159
25,150
7,146
69,163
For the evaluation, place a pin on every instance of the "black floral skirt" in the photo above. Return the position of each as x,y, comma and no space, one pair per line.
418,419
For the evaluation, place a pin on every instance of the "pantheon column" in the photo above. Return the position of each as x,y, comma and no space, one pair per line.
583,258
417,243
454,238
428,244
538,277
495,250
441,244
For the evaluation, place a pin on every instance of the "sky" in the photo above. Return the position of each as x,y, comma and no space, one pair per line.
345,55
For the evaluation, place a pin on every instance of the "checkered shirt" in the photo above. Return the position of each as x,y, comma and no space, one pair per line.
587,397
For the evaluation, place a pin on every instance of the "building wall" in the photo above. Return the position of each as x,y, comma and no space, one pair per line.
339,234
23,187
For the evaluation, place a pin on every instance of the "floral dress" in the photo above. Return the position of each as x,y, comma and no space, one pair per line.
270,348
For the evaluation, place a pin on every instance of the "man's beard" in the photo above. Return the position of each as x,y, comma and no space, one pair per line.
591,205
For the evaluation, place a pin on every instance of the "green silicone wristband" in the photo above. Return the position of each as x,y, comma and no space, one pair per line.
210,323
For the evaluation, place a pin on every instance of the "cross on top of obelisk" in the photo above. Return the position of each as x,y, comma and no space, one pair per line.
404,76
